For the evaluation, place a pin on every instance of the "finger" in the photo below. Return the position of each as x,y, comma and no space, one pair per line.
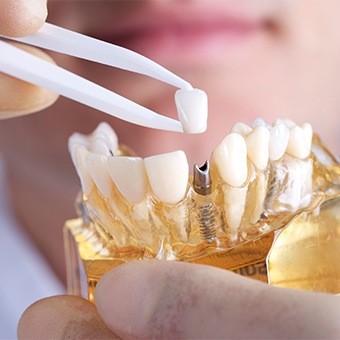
153,299
63,317
21,17
18,98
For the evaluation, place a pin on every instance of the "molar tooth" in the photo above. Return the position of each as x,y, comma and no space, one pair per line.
300,141
230,158
105,131
242,129
85,178
279,136
101,146
192,108
168,175
130,177
260,122
76,140
258,146
96,165
290,124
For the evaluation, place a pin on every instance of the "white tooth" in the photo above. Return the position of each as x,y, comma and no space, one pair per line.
192,108
96,165
260,122
279,136
130,177
106,132
234,206
258,146
76,140
289,123
168,175
300,141
231,159
241,128
85,178
101,146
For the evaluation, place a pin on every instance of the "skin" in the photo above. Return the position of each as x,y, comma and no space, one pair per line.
289,71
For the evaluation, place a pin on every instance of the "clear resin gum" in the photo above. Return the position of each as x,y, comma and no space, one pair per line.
288,234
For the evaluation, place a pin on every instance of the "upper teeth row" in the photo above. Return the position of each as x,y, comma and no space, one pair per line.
167,174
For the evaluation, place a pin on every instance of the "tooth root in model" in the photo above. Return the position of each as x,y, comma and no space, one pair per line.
234,207
168,176
230,157
260,196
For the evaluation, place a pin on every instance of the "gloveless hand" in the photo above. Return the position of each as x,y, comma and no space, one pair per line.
19,18
174,300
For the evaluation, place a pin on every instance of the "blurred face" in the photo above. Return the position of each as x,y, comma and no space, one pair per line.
274,59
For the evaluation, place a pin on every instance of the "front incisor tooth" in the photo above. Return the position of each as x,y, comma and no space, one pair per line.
96,165
192,108
129,175
279,136
258,146
230,158
300,141
168,176
83,173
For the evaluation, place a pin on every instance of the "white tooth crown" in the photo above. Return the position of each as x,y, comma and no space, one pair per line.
76,140
105,132
129,175
300,141
258,146
83,173
279,136
230,158
192,108
168,176
242,129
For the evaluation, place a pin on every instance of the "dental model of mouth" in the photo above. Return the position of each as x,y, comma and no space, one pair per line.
255,171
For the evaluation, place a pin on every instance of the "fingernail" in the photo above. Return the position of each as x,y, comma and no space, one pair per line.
123,297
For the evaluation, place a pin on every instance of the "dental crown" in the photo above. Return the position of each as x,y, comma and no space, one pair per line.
258,179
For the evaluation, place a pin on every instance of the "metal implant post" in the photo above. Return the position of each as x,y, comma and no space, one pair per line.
207,218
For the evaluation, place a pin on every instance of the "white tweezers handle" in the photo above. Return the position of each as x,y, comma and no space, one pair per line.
64,41
22,65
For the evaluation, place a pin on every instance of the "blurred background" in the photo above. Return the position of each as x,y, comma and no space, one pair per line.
262,58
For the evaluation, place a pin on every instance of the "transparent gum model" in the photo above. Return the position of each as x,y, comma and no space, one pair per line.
286,232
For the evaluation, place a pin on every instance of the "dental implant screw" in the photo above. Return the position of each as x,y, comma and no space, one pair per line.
207,215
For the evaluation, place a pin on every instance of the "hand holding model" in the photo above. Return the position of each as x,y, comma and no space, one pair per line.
153,299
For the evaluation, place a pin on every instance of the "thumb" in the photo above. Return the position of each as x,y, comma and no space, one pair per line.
21,17
160,299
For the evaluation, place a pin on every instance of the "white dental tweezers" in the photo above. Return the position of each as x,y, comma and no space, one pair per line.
22,65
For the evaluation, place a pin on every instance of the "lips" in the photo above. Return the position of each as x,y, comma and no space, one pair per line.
182,35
